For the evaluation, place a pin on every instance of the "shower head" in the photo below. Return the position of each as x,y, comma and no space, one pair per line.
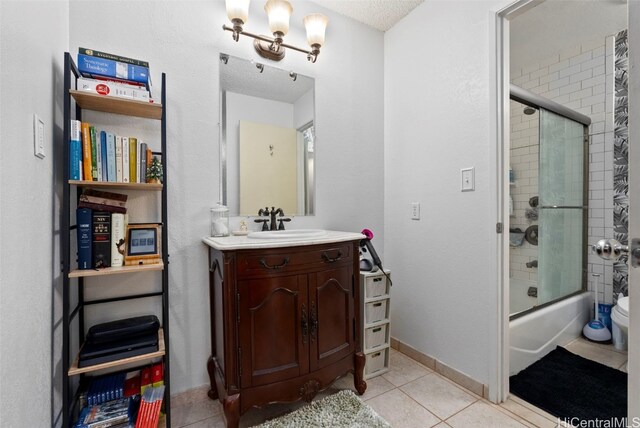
528,110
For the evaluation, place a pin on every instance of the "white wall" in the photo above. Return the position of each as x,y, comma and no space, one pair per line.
303,110
33,38
437,121
184,40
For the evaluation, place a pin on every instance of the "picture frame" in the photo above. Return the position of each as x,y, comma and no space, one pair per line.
141,245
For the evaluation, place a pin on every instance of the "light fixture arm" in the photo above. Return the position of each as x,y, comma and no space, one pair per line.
312,55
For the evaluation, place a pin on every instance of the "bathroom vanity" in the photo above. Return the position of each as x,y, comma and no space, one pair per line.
285,317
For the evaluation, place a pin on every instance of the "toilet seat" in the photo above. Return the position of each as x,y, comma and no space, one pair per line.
623,306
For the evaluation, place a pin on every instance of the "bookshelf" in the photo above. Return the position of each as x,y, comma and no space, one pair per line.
77,281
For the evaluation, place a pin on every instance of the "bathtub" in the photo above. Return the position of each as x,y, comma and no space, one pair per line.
534,335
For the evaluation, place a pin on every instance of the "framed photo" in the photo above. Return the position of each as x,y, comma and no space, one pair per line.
141,245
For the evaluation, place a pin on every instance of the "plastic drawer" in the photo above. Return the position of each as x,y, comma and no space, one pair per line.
375,286
376,361
376,311
376,336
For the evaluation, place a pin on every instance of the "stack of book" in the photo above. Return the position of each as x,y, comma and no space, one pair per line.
127,409
102,223
113,75
99,155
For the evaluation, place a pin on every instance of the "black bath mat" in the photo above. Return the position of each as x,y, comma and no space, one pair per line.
569,386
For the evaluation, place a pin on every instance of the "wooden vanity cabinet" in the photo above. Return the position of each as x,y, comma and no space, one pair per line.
285,324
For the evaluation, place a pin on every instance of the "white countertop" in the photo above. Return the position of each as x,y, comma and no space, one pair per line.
245,243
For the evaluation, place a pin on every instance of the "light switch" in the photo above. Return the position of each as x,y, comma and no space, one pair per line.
468,179
38,136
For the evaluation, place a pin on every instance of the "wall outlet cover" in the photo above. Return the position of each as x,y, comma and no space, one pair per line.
415,210
38,137
468,179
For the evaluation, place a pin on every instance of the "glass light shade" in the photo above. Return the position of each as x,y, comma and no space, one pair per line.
238,9
279,12
316,24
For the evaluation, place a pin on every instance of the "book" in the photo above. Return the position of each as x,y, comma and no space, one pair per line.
150,404
113,57
94,154
111,157
105,415
101,250
86,152
85,239
118,228
132,385
103,155
157,374
143,162
125,159
118,144
90,66
113,89
145,379
133,154
139,160
103,201
75,150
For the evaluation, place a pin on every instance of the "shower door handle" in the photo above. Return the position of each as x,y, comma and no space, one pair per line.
611,249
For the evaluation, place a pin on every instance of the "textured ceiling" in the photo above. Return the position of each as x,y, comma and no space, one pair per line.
380,14
243,77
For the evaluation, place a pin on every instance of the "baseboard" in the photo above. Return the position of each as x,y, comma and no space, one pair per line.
441,368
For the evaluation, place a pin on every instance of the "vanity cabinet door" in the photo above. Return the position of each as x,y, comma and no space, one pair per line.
332,316
273,329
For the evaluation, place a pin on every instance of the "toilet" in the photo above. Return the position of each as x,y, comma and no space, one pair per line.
620,325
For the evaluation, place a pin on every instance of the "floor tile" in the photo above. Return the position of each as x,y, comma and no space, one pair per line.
623,367
375,386
596,353
401,411
482,415
193,406
442,425
214,422
529,414
437,395
403,369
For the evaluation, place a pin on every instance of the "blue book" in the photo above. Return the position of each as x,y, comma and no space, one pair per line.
105,158
91,66
84,220
111,156
75,151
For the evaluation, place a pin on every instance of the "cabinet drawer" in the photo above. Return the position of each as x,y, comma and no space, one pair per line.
376,311
375,286
376,362
376,336
293,259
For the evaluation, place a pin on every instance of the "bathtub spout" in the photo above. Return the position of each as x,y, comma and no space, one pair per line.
532,264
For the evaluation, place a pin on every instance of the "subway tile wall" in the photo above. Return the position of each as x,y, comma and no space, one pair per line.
581,78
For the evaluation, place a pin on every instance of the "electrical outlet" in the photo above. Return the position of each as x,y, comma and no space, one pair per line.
415,211
38,136
468,179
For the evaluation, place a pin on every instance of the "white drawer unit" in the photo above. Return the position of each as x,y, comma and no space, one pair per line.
377,363
375,331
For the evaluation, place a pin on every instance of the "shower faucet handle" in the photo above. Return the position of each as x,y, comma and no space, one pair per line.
610,249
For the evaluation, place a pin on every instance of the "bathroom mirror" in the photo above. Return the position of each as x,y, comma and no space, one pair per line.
267,141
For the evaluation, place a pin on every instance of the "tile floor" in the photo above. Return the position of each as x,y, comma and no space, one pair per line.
409,395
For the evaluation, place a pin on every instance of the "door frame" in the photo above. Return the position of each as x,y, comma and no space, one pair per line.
499,367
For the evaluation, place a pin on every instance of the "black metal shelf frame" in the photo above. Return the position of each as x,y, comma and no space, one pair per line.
70,394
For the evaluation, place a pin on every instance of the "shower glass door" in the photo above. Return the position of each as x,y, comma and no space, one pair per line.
562,207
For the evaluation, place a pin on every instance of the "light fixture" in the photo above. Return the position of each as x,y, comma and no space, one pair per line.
279,13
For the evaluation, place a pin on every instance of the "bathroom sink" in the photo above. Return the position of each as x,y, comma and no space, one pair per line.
288,234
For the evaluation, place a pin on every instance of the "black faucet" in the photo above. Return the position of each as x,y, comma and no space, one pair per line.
273,220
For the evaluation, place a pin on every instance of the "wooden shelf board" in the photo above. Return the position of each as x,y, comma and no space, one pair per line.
113,185
75,370
124,106
115,270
